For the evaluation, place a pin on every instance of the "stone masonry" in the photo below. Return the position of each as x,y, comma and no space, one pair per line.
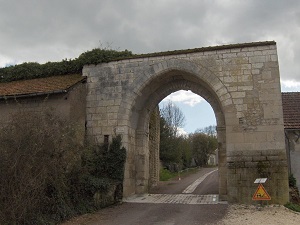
242,84
154,140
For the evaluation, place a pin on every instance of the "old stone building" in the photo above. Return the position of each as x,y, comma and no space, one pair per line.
241,82
63,95
291,116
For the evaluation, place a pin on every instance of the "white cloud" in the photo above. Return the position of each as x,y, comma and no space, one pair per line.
290,85
5,61
182,132
185,97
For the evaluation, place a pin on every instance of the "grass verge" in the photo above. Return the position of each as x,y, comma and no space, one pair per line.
165,175
293,206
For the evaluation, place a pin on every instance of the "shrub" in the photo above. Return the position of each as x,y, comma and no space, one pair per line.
30,70
165,175
46,176
292,181
37,151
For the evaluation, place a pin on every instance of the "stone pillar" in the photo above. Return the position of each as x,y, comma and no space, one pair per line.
142,162
154,142
222,165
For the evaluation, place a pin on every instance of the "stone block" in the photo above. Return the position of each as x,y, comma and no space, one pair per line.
238,94
259,158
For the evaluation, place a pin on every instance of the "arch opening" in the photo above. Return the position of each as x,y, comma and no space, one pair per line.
147,100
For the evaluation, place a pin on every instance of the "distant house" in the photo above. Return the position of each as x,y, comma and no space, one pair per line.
291,117
64,95
213,158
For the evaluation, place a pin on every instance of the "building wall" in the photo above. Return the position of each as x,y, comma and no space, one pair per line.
69,106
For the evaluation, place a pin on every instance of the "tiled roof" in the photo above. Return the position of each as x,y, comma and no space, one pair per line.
48,85
291,110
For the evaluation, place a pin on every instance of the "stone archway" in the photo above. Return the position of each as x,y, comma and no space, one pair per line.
166,82
241,82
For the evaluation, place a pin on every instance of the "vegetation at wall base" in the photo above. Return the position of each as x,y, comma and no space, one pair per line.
294,203
165,174
31,70
293,206
47,177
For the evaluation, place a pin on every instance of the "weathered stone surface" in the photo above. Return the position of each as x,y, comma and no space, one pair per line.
242,86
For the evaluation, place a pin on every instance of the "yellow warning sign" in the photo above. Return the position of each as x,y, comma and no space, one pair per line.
261,193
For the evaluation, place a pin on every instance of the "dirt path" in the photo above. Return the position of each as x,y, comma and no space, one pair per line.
252,215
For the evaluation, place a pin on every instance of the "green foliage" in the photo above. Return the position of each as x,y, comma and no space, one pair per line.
202,146
165,175
170,151
177,152
46,176
293,206
292,181
30,70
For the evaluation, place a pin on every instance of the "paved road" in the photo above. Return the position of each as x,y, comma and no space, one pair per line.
190,200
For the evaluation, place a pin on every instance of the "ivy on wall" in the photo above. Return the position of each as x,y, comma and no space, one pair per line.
31,70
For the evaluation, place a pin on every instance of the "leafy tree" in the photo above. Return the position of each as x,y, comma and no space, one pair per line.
169,149
186,151
175,151
202,146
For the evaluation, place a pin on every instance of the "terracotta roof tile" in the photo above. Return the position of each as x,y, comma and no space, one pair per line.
40,85
291,110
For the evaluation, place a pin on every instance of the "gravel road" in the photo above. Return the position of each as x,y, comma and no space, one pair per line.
252,215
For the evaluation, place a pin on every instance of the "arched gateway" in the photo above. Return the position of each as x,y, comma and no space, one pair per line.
241,82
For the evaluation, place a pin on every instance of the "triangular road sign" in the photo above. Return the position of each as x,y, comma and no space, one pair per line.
261,194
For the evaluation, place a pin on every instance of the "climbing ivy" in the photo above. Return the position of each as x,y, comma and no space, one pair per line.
30,70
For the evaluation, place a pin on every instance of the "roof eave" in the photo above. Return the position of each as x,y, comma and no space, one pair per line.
32,94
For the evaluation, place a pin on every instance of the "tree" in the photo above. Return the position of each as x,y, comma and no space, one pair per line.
210,130
173,117
202,146
169,149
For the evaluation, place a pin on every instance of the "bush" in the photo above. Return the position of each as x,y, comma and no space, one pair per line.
292,181
37,151
165,175
101,170
47,177
30,70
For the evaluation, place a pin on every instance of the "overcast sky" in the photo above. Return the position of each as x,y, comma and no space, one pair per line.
52,30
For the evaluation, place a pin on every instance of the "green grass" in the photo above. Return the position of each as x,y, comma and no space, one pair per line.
165,175
293,206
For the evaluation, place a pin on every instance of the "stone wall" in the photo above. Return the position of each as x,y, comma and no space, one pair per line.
241,83
154,141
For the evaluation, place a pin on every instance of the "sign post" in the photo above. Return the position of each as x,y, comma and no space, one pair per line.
261,194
